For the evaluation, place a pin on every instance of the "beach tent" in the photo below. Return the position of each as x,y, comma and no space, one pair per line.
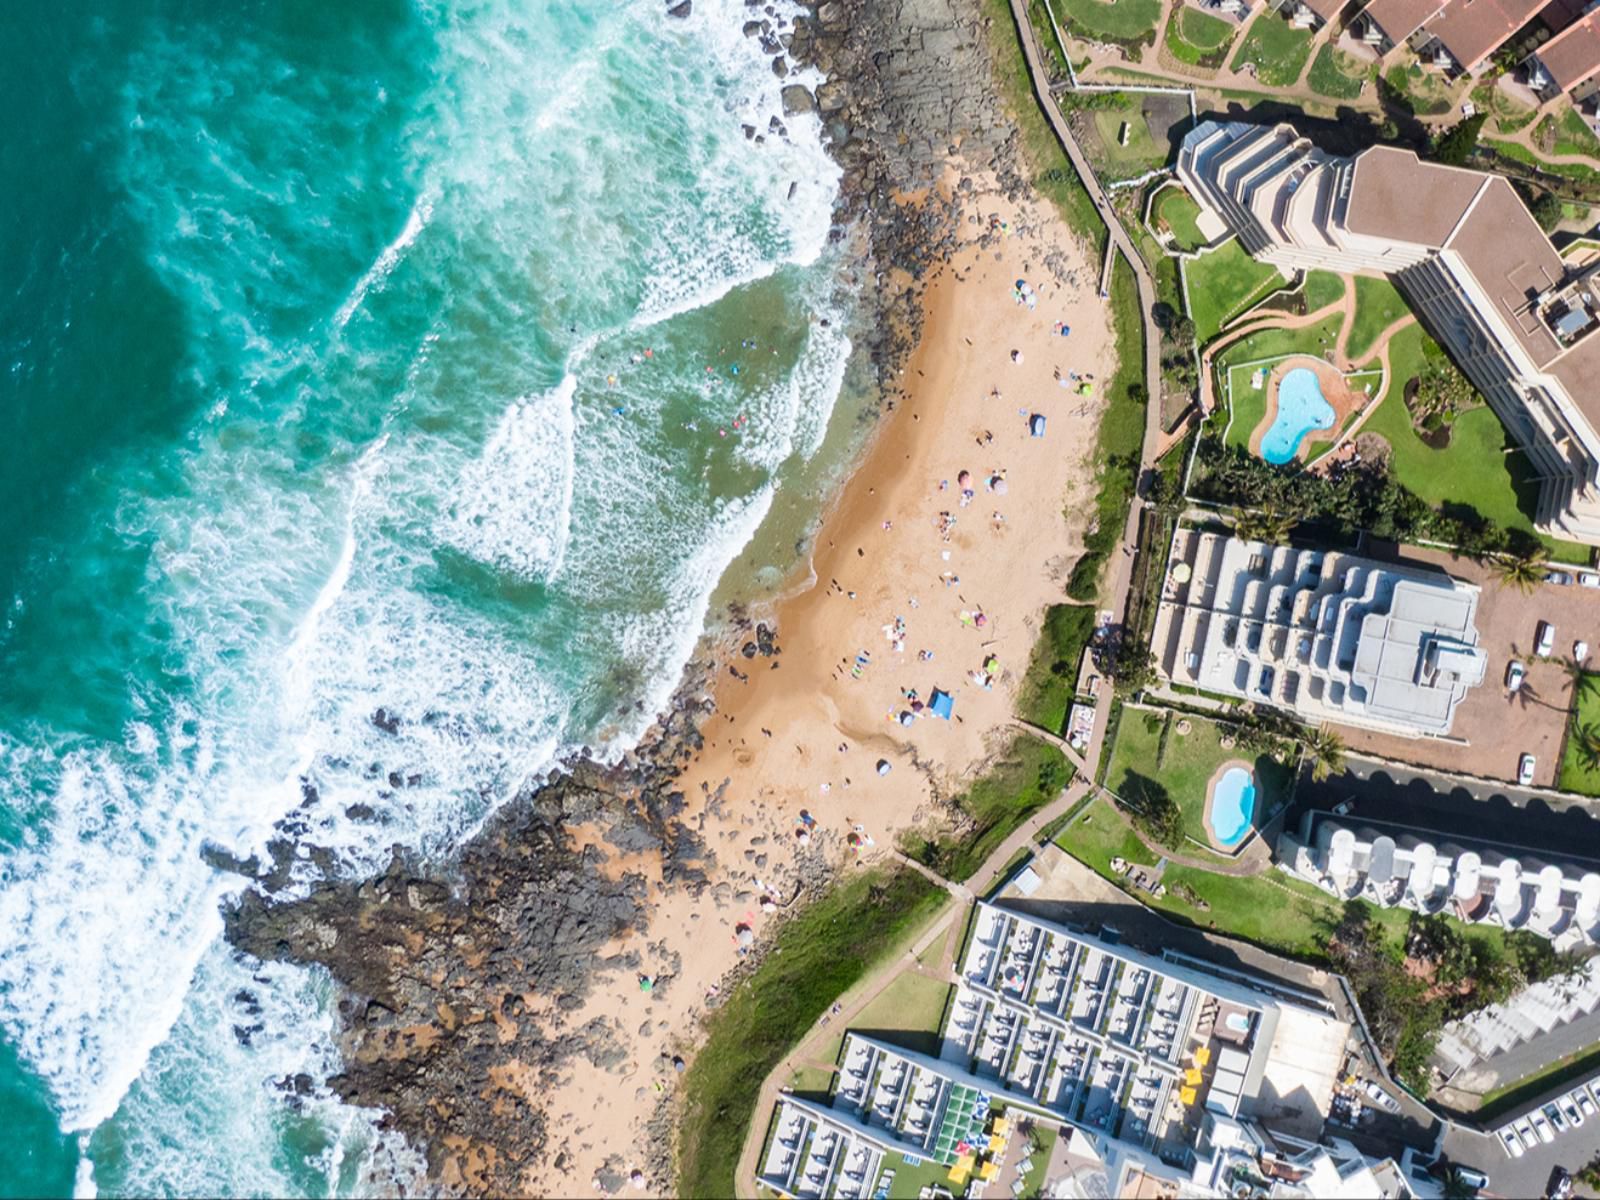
884,766
1036,425
941,704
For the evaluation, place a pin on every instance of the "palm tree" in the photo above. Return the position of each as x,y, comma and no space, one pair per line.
1325,749
1521,571
1270,524
1583,679
1586,741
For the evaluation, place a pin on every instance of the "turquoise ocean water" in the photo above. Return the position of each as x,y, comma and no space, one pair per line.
436,357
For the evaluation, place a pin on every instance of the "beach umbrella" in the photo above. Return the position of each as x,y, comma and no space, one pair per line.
884,766
999,485
907,718
745,936
980,620
638,1180
964,478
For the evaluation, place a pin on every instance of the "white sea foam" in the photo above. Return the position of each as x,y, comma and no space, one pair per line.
515,506
378,272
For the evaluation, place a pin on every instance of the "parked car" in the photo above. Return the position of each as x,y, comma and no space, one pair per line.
1580,651
1525,767
1544,639
1526,1134
1569,1109
1381,1097
1559,1185
1585,1105
1542,1128
1515,674
1557,1121
1512,1142
1560,577
1471,1177
1588,579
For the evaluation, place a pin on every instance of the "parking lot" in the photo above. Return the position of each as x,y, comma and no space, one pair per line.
1494,728
1527,1174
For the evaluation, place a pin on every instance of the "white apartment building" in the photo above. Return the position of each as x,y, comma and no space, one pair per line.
1468,256
1327,635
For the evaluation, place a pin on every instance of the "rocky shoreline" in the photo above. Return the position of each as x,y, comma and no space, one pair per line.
458,980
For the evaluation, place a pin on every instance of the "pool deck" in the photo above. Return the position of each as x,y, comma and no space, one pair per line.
1211,791
1335,390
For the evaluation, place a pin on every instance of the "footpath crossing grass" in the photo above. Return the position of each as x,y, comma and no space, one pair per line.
815,957
1378,306
1278,50
1223,283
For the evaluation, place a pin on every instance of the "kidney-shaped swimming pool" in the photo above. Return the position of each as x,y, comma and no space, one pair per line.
1301,409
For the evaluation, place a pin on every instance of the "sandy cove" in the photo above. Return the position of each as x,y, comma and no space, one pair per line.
804,731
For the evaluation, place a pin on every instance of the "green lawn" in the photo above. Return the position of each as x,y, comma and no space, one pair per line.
1272,910
1044,1141
816,956
1205,31
1024,777
1185,765
1338,75
1223,283
910,1182
1176,209
1573,135
1043,160
1480,468
1126,21
1428,96
1378,305
1198,39
1142,153
1052,677
1249,404
1120,439
907,1013
1322,288
1576,776
1277,49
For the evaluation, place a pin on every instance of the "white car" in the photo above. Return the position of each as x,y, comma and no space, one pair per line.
1588,579
1515,674
1525,767
1569,1109
1542,1128
1525,1132
1382,1097
1513,1144
1558,577
1545,639
1580,651
1585,1105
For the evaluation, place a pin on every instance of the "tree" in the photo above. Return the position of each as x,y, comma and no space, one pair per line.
1455,146
1267,524
1521,571
1153,808
1586,743
1584,680
1325,750
1546,209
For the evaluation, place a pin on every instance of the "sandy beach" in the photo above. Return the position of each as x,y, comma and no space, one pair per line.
931,572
